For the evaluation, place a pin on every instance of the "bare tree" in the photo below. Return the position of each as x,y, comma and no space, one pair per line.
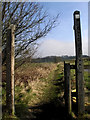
31,20
26,55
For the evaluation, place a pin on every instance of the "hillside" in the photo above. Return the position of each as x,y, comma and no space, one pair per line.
56,59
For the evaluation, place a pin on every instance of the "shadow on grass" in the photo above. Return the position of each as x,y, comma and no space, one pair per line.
23,112
42,111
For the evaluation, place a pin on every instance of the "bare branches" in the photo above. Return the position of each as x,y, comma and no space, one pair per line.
31,20
3,10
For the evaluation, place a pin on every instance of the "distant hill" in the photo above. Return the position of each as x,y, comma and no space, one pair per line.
55,59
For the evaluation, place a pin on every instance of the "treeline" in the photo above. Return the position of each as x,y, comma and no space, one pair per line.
55,59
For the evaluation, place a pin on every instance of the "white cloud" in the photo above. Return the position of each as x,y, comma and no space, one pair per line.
56,48
51,47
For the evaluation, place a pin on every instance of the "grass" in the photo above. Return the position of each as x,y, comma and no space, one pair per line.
39,83
86,61
33,85
87,81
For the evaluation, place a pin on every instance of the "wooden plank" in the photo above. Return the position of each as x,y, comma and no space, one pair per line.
67,87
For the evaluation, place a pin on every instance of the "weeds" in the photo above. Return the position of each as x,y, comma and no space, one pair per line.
38,83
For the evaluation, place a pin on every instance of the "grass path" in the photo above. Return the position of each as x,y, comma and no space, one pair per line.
39,92
43,101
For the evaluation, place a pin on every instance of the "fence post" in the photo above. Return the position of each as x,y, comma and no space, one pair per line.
10,70
79,65
67,88
0,60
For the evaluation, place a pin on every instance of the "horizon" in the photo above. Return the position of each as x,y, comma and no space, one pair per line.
62,56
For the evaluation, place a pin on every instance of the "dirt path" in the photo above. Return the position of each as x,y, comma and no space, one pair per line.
50,107
50,111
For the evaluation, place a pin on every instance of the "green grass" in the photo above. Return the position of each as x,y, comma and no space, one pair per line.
87,81
41,90
86,61
86,74
9,117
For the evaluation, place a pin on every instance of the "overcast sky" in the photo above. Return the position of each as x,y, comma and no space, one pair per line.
61,41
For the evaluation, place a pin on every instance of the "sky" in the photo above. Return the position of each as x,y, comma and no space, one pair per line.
61,40
89,30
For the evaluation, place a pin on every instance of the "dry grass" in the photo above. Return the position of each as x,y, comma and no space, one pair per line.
33,72
32,81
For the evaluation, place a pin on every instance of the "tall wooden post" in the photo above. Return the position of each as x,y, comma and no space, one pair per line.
79,65
67,88
10,70
0,61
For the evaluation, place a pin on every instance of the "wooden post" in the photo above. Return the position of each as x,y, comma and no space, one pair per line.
79,65
10,70
67,88
0,60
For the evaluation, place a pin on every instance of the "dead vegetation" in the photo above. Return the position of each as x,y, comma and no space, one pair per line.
32,72
33,82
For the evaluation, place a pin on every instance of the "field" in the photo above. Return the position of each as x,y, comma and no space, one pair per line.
39,90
